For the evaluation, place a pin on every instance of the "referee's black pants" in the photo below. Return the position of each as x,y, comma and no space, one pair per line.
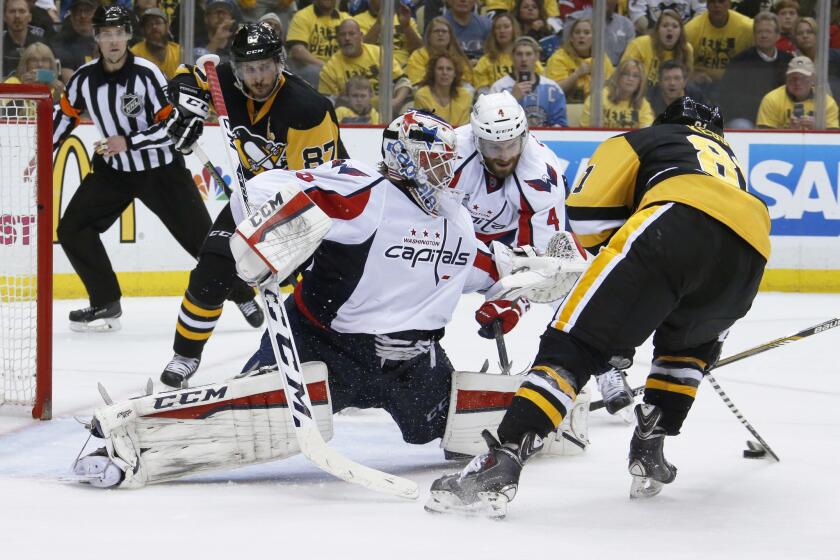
168,191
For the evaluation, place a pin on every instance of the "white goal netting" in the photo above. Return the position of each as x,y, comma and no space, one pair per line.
18,251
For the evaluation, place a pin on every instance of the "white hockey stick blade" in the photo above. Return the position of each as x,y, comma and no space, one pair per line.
315,449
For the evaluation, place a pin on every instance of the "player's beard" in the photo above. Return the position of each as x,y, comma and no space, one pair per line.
501,174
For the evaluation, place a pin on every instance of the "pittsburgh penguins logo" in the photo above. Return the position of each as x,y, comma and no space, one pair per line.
257,154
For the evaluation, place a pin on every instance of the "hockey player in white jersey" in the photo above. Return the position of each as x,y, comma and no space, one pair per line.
515,193
387,277
392,251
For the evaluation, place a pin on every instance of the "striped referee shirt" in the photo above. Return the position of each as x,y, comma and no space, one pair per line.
130,102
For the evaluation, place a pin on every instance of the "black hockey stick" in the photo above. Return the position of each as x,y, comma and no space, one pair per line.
830,324
504,362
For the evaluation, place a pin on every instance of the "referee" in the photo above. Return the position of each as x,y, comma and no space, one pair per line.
126,98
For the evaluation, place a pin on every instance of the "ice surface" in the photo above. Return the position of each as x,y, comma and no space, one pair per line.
720,506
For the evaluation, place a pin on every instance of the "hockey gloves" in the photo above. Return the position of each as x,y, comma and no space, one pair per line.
506,311
190,106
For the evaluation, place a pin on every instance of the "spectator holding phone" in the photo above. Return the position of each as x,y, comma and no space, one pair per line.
792,105
571,65
623,102
38,66
542,99
442,94
497,62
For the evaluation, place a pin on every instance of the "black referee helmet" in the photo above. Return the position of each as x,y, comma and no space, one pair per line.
112,16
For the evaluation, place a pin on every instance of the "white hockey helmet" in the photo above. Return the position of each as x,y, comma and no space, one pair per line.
499,126
419,148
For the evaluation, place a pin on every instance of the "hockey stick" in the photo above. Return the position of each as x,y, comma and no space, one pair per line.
312,444
830,324
504,362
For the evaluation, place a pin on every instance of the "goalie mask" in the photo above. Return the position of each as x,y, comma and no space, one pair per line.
258,59
419,148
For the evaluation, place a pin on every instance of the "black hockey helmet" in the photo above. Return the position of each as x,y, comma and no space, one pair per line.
255,41
112,16
687,111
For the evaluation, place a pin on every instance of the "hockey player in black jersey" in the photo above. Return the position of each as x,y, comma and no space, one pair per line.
682,247
279,122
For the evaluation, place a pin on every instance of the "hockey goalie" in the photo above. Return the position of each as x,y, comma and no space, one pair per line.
387,253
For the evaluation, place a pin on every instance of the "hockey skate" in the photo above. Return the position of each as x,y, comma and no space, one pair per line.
252,312
488,482
179,370
96,319
615,390
648,466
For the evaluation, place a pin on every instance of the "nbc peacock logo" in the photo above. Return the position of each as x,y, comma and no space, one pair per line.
208,187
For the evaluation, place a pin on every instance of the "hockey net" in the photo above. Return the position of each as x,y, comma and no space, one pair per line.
26,247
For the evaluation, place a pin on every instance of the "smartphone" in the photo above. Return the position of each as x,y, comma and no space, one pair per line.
44,75
524,77
799,110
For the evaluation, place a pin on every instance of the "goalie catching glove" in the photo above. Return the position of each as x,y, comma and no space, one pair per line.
541,278
279,236
190,107
505,311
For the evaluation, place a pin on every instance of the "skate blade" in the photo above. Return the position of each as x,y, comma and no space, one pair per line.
644,487
99,325
490,504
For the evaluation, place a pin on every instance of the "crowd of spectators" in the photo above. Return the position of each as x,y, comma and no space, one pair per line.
755,58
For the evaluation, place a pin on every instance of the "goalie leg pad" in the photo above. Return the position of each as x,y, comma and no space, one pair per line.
479,401
210,427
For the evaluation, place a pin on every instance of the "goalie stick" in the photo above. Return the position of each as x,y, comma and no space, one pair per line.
312,444
830,324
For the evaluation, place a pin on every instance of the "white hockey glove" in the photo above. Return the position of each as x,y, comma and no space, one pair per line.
190,107
279,237
524,273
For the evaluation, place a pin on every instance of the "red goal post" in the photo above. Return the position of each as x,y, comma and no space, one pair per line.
26,234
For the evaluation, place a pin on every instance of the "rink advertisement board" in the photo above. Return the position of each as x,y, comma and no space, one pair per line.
797,175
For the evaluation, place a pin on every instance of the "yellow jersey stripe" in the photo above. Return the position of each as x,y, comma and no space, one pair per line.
562,383
188,334
200,311
684,360
542,403
671,387
600,267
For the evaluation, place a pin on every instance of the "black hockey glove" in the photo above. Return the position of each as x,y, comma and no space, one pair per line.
184,131
190,106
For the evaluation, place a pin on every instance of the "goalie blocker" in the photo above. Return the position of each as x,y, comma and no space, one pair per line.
243,421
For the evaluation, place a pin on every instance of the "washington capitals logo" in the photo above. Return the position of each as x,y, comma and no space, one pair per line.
345,169
544,183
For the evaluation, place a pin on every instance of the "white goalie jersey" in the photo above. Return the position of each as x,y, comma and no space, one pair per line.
385,265
525,208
